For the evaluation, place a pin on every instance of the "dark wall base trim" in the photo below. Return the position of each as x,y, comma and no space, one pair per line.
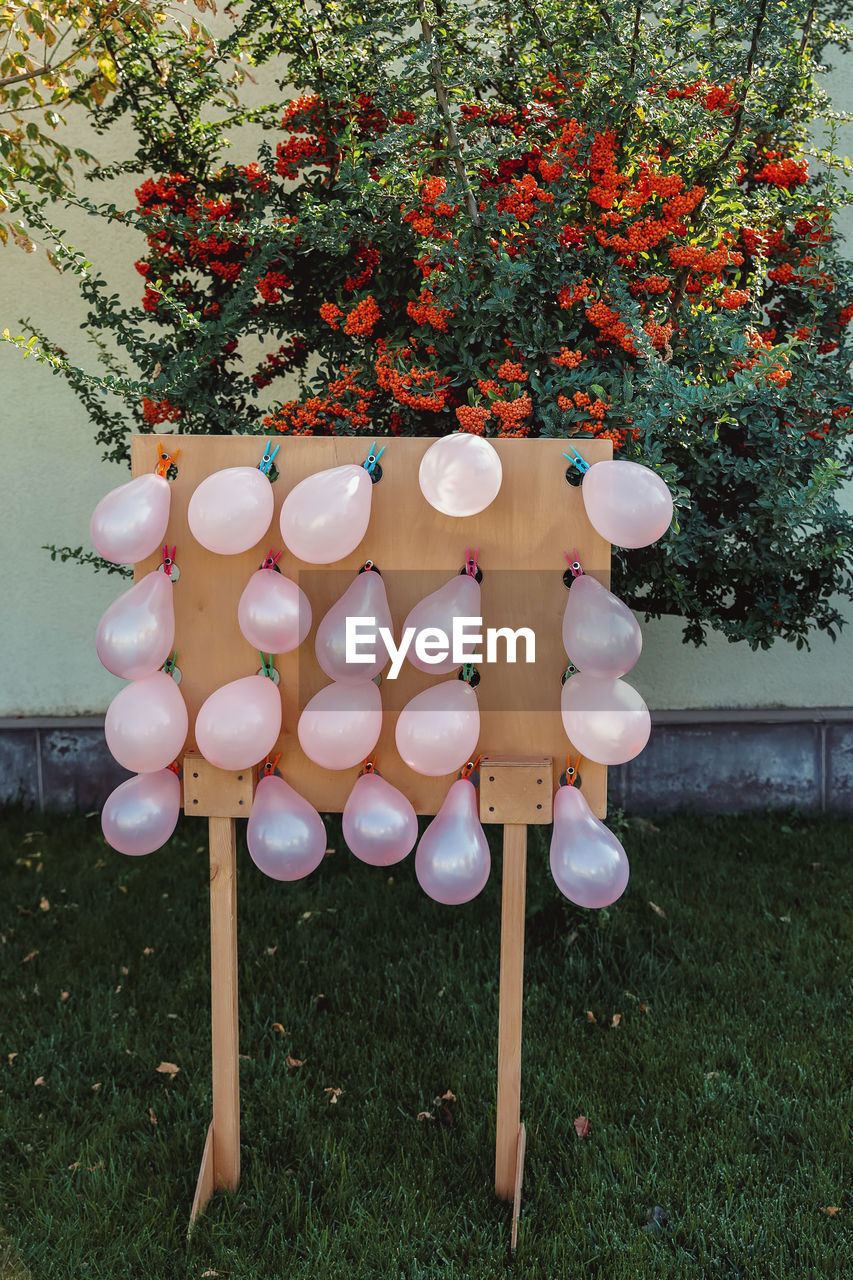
711,761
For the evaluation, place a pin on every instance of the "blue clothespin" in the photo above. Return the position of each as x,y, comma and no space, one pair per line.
265,464
575,458
373,457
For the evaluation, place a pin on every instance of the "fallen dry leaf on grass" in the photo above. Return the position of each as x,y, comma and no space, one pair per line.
41,1080
31,956
44,904
425,1115
831,1210
11,1057
590,1016
581,1126
659,911
151,1116
615,1020
168,1069
271,951
294,1062
63,995
276,1026
334,1094
448,1097
96,1087
148,951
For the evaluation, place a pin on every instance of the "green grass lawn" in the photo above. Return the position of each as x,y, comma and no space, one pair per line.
723,1095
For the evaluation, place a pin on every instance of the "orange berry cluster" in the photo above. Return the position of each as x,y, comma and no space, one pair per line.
521,199
331,313
361,321
473,418
512,372
512,414
421,389
569,359
424,312
731,299
611,328
157,411
783,171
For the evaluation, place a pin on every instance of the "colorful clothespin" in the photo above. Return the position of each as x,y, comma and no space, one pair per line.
372,458
468,672
170,667
268,667
272,559
471,562
469,768
266,463
369,765
572,769
165,460
574,563
575,458
270,764
571,670
168,560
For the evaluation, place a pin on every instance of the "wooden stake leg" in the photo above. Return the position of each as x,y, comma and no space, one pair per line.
220,1166
507,1175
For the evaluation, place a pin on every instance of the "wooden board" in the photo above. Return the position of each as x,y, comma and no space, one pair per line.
521,539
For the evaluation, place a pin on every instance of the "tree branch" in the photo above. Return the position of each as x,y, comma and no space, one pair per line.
444,108
750,64
532,13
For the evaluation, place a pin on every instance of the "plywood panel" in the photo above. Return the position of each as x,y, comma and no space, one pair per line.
521,539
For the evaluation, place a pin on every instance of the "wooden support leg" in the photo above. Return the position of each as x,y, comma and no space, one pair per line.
220,1166
507,1174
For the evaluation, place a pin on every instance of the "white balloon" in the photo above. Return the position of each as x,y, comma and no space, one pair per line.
326,516
460,475
231,510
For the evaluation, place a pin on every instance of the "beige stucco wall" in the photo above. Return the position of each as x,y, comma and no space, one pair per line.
53,479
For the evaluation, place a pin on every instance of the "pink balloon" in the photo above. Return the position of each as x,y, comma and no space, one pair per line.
437,730
379,824
460,474
326,516
141,814
274,613
136,634
587,861
340,726
129,523
452,862
285,834
458,598
600,633
231,510
146,723
606,720
365,597
627,503
239,723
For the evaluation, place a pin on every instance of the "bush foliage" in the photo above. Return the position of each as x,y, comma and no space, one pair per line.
523,219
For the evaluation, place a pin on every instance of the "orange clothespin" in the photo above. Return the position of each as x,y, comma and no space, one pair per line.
166,460
469,768
369,765
270,764
572,769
